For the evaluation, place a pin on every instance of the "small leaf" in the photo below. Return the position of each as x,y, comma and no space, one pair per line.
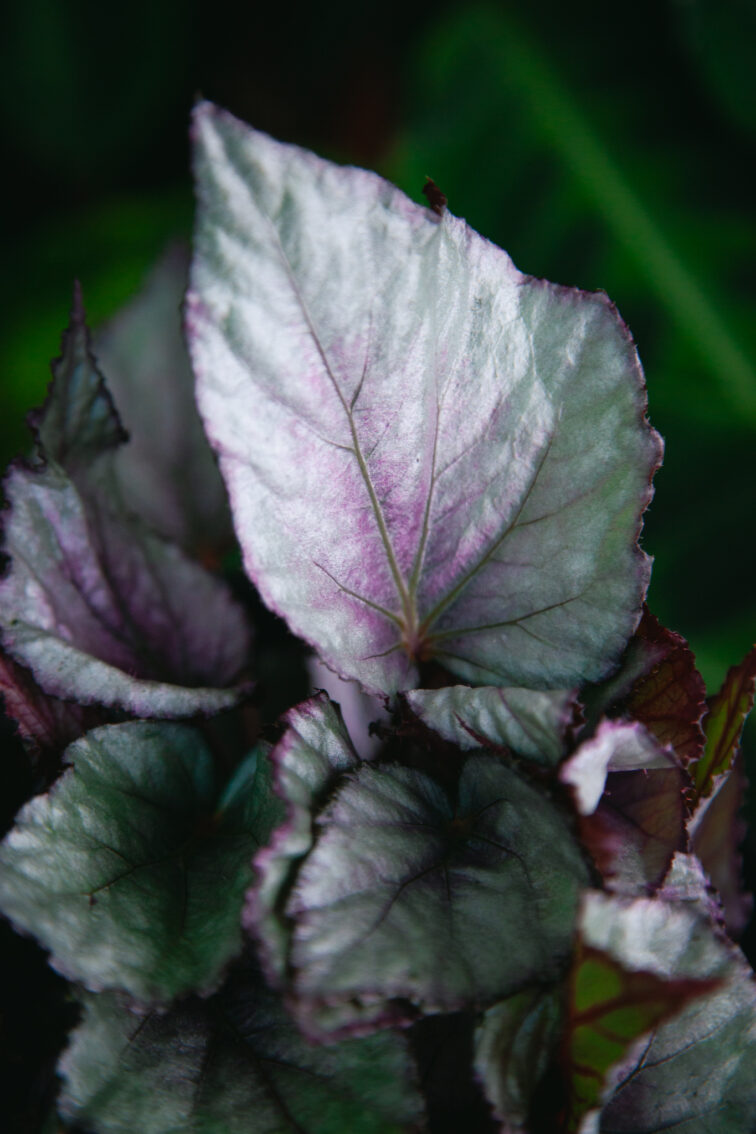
514,1045
697,1073
530,722
637,828
166,473
716,826
234,1064
408,901
614,1002
428,453
128,870
658,685
617,747
313,754
45,724
97,607
723,725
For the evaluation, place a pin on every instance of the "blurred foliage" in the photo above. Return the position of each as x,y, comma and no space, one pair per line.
604,148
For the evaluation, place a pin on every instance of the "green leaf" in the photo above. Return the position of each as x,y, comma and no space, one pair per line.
128,870
531,722
513,1047
723,725
232,1065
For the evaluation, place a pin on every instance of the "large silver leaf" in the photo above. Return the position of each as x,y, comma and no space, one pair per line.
428,453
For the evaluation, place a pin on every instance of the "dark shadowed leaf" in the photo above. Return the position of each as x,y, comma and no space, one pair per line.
132,869
428,453
167,472
613,1003
514,1045
100,609
696,1074
234,1064
45,724
308,762
723,725
657,684
408,900
716,826
530,722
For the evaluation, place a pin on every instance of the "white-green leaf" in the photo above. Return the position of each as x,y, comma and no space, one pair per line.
132,870
233,1065
530,722
428,453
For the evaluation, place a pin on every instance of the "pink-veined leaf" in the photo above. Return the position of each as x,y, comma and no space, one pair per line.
100,608
428,453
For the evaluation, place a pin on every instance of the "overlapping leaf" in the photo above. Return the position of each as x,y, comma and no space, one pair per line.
630,796
410,900
166,473
100,609
530,722
514,1045
614,1002
716,826
313,754
234,1064
657,684
132,869
428,453
697,1072
45,724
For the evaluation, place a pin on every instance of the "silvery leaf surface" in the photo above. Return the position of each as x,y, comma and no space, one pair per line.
614,1004
530,722
133,868
410,901
428,453
308,762
234,1064
98,607
514,1044
167,473
697,1072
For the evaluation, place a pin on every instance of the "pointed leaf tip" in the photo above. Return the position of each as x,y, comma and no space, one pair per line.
489,518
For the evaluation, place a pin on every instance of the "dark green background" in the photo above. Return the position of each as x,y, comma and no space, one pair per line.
607,146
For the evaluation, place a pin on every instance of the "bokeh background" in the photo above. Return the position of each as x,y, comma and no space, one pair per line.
604,145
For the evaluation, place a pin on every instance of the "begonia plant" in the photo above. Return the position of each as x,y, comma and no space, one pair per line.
510,898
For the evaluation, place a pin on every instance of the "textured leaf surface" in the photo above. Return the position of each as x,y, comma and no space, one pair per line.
131,870
234,1064
697,1073
657,684
612,1006
513,1047
428,453
408,896
100,609
167,472
308,762
530,722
